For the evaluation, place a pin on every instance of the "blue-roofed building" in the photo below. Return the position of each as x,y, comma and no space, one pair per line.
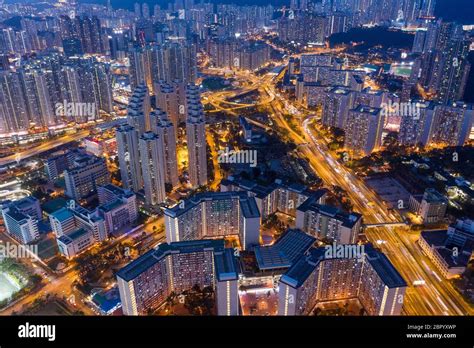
214,214
69,220
146,282
368,276
75,242
107,302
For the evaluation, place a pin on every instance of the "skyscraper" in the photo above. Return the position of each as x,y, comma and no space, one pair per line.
196,137
139,67
451,124
129,157
454,71
153,167
174,61
138,110
445,61
169,62
337,103
171,98
13,112
39,102
165,129
428,8
414,129
364,129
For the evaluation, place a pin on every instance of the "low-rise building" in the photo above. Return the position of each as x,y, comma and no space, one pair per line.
69,220
118,207
76,242
21,219
431,206
450,250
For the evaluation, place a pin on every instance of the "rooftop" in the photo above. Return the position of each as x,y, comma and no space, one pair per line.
289,247
367,110
306,264
69,238
147,260
247,204
347,219
62,214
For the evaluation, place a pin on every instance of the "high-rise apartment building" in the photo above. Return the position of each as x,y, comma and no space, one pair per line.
138,110
169,62
129,157
364,129
451,124
414,129
153,167
337,103
362,272
214,214
276,197
13,112
165,129
146,283
196,137
171,98
328,223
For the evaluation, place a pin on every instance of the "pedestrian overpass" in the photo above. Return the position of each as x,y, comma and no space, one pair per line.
386,224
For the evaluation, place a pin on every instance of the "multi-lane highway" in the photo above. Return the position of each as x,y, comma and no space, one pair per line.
46,146
437,296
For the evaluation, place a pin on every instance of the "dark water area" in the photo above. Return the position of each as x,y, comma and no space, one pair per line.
373,37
